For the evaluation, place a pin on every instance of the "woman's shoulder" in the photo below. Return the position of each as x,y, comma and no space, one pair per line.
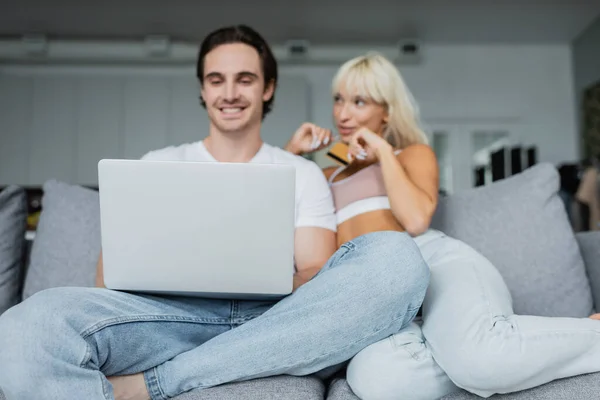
415,148
417,151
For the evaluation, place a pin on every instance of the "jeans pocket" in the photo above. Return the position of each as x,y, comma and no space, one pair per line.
343,251
336,257
340,254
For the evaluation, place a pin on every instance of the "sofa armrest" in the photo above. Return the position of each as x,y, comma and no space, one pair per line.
589,244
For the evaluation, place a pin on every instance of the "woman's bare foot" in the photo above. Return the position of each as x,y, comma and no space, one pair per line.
129,387
595,316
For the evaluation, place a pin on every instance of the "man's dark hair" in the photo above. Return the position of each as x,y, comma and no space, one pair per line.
241,34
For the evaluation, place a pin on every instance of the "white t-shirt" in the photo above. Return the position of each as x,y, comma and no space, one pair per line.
314,201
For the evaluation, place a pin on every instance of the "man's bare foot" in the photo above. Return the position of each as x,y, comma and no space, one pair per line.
129,387
595,316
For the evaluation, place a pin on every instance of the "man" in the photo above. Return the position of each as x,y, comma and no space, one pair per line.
95,343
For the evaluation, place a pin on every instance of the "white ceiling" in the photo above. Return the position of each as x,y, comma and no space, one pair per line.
319,21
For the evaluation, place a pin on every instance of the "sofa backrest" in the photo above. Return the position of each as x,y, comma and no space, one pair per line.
67,241
519,223
13,218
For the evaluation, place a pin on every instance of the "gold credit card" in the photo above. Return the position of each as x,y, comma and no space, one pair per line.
339,153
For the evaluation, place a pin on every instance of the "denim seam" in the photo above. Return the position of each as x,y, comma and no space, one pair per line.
244,319
349,246
405,347
86,359
336,258
154,389
105,389
87,356
486,296
412,354
320,356
233,313
150,318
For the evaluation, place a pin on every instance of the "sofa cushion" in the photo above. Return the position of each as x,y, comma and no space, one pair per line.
67,242
340,390
582,387
520,225
272,388
13,223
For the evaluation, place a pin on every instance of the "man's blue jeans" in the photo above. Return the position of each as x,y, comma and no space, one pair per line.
62,343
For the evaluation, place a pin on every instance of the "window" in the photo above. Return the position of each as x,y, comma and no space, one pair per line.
485,144
441,147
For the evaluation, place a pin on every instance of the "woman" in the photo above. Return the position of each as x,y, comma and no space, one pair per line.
473,338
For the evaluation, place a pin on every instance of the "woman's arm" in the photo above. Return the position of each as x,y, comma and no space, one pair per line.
411,180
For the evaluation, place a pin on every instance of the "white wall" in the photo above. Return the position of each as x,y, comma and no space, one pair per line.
58,122
527,90
586,64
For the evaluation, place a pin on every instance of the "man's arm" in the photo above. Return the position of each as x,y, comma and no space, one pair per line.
315,236
312,248
100,272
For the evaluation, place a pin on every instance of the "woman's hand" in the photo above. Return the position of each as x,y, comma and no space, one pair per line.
308,138
366,146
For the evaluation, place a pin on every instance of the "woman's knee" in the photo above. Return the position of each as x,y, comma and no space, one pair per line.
479,372
400,366
485,365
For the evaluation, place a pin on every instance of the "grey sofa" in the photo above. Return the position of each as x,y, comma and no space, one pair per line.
519,223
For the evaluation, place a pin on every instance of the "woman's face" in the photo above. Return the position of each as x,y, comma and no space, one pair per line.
352,112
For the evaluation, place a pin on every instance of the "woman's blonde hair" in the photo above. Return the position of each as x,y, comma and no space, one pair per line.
373,76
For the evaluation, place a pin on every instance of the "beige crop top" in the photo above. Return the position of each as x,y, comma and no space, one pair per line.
359,193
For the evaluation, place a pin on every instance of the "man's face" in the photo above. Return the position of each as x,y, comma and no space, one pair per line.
233,87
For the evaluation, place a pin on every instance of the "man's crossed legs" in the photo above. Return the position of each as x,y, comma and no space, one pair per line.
62,343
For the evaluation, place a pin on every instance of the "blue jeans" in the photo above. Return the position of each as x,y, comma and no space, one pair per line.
62,343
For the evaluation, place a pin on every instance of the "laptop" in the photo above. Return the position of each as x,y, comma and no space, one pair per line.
206,229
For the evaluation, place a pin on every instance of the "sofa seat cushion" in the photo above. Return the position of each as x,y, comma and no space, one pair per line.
520,224
340,390
271,388
582,387
13,223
